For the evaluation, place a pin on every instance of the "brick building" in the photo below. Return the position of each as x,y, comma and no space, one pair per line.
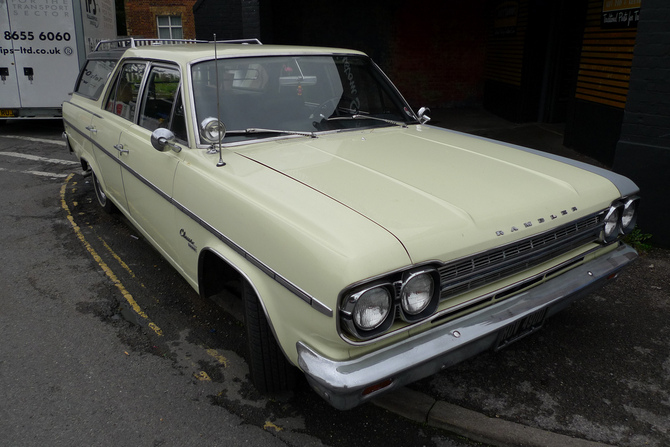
165,19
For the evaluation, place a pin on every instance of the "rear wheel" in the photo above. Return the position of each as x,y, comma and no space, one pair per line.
270,370
103,200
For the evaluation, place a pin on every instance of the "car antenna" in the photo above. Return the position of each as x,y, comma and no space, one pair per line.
222,129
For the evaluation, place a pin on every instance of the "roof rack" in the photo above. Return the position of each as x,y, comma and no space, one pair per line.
133,42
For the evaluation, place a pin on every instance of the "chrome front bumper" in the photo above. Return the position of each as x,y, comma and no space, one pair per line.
342,383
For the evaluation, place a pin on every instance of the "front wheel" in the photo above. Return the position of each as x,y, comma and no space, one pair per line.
103,200
270,371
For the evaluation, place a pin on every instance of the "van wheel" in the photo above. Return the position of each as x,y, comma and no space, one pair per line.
270,371
103,200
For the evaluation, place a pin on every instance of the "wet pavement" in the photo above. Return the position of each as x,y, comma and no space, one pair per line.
599,372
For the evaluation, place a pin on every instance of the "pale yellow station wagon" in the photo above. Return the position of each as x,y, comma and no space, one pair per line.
373,249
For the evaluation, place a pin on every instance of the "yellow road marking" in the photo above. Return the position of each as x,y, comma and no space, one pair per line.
118,259
219,358
105,268
202,376
269,424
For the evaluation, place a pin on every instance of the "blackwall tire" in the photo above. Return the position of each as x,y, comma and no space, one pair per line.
270,371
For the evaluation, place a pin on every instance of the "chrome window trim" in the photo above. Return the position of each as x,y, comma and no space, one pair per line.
196,126
85,110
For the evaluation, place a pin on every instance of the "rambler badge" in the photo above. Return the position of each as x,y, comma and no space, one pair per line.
540,220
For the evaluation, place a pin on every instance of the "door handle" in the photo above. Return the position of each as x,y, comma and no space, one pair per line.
119,147
91,129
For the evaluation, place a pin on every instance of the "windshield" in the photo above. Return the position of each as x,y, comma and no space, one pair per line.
295,94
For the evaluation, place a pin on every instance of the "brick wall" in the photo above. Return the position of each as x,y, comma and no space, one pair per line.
141,16
647,114
438,53
434,51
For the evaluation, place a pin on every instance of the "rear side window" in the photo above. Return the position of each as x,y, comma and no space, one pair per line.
123,96
93,77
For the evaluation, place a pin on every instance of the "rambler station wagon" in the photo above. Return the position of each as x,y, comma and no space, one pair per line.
372,248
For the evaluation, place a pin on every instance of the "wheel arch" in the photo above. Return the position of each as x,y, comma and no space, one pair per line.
216,273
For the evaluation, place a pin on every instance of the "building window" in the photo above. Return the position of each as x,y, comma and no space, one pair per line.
169,27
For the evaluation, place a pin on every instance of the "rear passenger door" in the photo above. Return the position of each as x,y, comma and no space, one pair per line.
148,174
119,114
89,89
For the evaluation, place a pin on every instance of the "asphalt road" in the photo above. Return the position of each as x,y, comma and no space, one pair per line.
103,343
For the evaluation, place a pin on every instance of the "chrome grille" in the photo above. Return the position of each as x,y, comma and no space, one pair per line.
479,270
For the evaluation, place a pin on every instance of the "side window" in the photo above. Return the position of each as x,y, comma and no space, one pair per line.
93,77
159,98
123,97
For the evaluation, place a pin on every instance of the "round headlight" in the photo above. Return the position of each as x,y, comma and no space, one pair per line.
611,224
417,293
629,215
212,130
372,308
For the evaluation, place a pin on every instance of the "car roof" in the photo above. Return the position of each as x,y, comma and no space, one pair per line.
185,51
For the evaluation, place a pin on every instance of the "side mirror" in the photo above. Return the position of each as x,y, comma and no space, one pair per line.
162,139
423,115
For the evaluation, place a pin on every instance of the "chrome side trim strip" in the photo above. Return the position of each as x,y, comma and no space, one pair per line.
82,108
313,302
306,297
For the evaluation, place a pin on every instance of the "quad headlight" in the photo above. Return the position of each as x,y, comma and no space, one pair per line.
417,293
629,215
370,310
619,219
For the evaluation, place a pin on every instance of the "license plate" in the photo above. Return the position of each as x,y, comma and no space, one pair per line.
7,113
516,331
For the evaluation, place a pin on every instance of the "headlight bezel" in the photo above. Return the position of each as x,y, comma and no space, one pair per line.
432,302
620,219
611,223
395,285
630,203
350,307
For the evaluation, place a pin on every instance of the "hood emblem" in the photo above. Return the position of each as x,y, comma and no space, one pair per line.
540,220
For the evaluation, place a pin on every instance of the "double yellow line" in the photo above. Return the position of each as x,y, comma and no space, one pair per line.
105,268
202,375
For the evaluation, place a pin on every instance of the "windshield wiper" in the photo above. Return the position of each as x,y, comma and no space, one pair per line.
254,130
368,117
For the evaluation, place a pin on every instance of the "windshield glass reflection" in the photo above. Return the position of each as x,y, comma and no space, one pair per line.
296,94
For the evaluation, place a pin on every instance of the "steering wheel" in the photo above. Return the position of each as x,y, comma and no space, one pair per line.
329,106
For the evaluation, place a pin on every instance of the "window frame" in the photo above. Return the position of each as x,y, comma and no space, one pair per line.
83,79
178,99
113,87
170,26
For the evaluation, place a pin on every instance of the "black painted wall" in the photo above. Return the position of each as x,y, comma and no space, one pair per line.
643,150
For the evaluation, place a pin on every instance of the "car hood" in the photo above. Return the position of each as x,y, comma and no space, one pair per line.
443,194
